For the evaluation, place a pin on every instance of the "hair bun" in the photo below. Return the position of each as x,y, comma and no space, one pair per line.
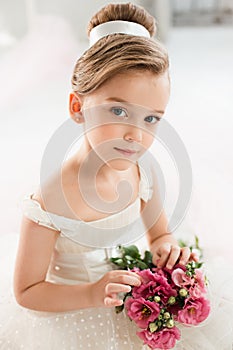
108,57
125,12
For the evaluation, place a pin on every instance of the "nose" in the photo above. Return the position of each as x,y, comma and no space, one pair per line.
133,134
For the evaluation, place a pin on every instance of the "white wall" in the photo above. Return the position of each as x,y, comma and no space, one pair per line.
76,12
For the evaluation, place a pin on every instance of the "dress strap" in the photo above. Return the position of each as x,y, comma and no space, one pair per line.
145,188
33,211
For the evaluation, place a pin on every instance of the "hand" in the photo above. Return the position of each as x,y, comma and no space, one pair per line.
168,254
105,291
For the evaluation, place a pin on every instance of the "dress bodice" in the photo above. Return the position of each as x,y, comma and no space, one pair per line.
82,248
122,227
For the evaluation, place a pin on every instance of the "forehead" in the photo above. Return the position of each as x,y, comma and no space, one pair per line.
142,88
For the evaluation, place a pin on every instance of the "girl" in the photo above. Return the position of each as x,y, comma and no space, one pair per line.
64,285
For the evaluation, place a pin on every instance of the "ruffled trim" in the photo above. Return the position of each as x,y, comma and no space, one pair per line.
145,189
32,210
68,227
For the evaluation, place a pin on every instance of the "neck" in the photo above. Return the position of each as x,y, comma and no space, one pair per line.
92,163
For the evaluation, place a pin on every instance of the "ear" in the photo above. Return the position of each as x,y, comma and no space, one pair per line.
75,105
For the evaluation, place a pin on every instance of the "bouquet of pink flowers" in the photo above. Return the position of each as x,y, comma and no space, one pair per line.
165,298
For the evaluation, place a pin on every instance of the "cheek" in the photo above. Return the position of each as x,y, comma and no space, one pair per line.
104,133
148,139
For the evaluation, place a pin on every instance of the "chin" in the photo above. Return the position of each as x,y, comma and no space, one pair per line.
121,164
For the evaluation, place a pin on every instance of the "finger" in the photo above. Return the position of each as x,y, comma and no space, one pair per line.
127,273
173,257
125,277
117,288
155,259
110,302
129,280
194,257
164,253
185,255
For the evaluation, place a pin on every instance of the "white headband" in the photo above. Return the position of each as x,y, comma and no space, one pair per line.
113,27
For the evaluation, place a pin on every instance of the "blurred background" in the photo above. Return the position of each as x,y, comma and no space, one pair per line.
39,44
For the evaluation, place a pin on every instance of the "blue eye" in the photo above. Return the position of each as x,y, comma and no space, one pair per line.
151,119
119,112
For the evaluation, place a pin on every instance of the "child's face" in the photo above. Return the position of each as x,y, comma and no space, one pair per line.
123,114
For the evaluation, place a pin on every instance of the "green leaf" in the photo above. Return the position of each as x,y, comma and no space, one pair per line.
148,258
131,250
119,262
116,260
128,257
197,243
141,265
198,265
182,243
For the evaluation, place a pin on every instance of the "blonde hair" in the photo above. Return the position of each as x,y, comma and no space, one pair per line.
118,53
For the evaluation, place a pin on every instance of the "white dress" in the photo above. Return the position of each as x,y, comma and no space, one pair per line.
96,328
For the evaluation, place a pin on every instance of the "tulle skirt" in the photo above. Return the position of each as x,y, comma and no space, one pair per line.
103,329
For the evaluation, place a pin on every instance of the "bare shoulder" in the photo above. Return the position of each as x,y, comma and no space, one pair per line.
37,242
54,194
36,246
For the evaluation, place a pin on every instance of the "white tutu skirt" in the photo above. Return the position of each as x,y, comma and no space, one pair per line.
86,329
103,329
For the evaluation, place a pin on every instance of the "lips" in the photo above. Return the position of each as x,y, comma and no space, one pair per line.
125,151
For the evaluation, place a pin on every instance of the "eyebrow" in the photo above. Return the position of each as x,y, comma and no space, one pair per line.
118,99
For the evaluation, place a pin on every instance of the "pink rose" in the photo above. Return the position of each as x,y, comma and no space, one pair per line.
164,339
199,288
195,292
163,288
180,278
194,312
153,284
142,311
135,269
200,280
146,275
145,290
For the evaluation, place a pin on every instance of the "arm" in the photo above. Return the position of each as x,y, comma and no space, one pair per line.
163,245
33,292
